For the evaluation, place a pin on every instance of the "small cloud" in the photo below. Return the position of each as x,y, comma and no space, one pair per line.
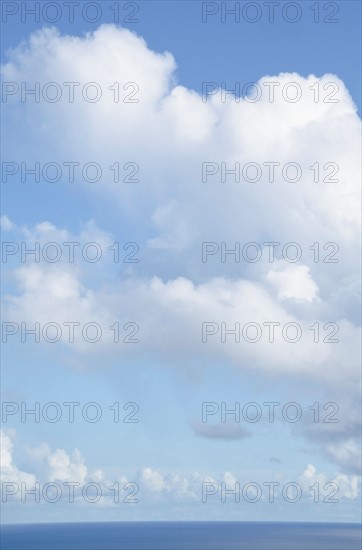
275,460
6,223
224,431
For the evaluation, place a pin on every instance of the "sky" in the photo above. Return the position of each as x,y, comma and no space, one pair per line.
180,228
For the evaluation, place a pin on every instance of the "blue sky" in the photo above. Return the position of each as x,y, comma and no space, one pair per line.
170,292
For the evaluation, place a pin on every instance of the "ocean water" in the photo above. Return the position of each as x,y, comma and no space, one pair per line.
181,536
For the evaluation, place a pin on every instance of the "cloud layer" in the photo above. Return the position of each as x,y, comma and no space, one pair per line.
170,132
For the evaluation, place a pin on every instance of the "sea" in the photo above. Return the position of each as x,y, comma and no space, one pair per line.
182,536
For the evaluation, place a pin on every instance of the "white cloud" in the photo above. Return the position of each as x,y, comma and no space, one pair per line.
229,480
346,453
10,473
153,485
49,466
56,293
6,223
170,131
293,282
346,486
153,480
64,467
